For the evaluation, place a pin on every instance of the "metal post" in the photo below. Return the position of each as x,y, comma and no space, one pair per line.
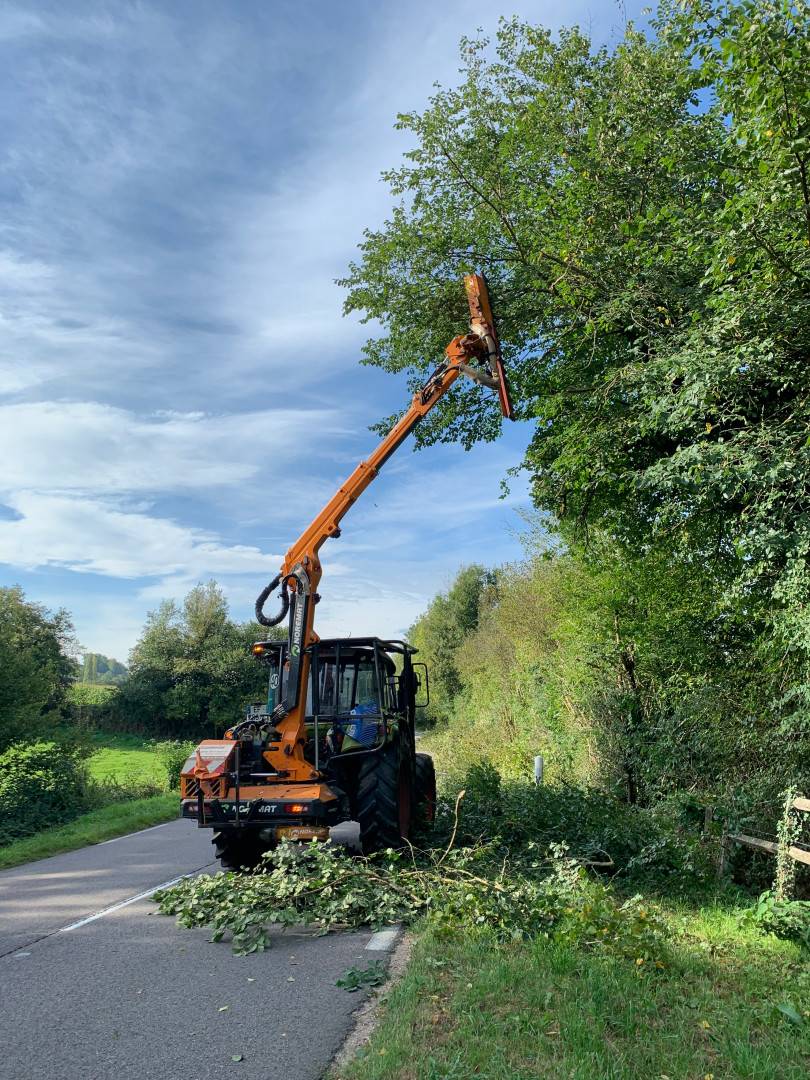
538,769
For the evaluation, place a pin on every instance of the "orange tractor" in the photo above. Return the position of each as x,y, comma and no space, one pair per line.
336,741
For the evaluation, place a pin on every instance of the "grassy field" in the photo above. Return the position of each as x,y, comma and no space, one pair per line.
731,1003
127,767
92,828
125,758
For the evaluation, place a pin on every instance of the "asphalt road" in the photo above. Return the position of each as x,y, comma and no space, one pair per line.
95,985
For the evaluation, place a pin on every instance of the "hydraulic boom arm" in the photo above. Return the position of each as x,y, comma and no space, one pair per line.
476,355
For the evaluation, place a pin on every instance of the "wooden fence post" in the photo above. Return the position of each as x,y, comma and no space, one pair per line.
788,833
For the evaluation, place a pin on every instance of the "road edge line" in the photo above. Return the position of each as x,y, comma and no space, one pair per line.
383,940
121,904
125,836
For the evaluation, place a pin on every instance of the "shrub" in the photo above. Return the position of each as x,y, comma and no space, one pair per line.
173,754
113,790
650,846
41,784
93,707
783,918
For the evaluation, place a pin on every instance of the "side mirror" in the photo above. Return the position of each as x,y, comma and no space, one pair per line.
419,685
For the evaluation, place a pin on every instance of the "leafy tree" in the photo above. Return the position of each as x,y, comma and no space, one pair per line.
37,665
191,672
440,631
649,260
643,216
102,670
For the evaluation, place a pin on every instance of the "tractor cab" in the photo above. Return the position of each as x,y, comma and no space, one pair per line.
359,690
361,700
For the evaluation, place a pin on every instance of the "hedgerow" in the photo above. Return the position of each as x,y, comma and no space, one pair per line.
41,783
640,847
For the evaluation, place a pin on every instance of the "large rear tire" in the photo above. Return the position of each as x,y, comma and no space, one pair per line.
385,798
237,852
425,790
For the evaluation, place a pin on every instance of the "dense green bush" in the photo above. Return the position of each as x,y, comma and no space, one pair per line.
626,676
47,783
41,784
114,790
173,754
783,918
92,707
657,848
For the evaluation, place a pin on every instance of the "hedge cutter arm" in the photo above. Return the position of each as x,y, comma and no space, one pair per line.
477,355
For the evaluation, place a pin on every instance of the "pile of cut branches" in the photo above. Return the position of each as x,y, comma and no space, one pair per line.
328,888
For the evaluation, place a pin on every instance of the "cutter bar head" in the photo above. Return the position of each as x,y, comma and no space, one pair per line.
482,323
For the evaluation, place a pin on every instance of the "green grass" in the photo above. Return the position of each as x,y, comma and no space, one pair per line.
468,1007
125,758
92,828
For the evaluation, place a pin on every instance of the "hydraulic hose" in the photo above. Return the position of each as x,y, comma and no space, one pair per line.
261,599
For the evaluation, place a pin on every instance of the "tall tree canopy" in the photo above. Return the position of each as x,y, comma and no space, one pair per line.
37,664
643,216
102,670
439,632
192,671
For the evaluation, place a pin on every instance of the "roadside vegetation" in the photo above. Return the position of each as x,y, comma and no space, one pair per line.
642,213
90,749
726,1004
557,933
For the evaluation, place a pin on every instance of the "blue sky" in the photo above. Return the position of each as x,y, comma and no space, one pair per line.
180,184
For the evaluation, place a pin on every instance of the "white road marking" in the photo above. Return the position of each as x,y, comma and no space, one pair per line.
126,836
122,904
383,940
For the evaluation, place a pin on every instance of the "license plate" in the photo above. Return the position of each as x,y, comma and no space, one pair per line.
302,832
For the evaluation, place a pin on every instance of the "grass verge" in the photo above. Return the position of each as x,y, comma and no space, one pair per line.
124,758
91,828
732,1003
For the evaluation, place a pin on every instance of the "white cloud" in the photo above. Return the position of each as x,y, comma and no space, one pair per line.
85,446
81,479
88,535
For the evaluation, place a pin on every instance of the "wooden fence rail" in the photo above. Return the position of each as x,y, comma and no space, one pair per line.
798,854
